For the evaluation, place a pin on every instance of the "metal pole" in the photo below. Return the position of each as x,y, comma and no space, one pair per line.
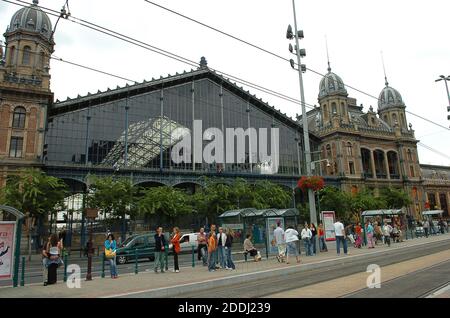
161,162
311,199
65,268
193,257
103,265
17,252
136,261
90,250
126,132
22,278
448,93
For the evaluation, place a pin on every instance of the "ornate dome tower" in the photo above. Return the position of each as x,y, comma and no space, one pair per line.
29,45
25,93
391,107
333,99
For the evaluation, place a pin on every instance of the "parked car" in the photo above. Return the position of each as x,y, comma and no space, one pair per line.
144,243
187,241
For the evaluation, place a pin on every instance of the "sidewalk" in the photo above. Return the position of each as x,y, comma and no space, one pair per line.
172,284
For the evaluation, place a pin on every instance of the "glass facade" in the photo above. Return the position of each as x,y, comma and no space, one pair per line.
138,130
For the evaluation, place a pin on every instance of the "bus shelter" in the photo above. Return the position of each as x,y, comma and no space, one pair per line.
259,223
234,219
392,216
432,213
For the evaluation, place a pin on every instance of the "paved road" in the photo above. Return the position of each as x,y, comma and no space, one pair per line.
414,285
267,287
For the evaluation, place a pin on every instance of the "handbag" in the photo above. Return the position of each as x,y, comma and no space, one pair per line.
109,253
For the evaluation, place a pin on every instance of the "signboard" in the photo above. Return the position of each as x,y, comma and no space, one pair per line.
7,237
91,213
328,225
271,225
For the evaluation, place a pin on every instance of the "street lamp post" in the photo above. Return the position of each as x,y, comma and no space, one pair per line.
298,34
445,79
91,215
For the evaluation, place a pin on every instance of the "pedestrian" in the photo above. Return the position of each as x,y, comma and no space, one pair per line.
322,244
370,232
387,231
441,226
378,233
426,226
160,242
176,248
278,235
249,248
212,249
54,250
110,253
228,244
313,238
45,257
306,238
202,250
340,236
221,240
358,235
291,236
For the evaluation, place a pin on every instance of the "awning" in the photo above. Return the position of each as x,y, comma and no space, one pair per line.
241,212
432,212
382,212
282,213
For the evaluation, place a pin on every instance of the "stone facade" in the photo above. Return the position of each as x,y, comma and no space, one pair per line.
25,93
370,150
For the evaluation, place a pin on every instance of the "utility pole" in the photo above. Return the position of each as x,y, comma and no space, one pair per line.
297,35
446,79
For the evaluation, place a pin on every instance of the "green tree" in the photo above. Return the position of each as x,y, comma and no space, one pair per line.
333,199
395,198
35,194
115,198
271,195
214,199
165,201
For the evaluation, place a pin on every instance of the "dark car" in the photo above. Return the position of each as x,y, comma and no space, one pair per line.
143,243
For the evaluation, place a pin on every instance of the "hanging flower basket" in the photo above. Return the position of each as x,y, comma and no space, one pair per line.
314,183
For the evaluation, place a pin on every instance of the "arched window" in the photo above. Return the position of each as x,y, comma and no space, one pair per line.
333,108
19,118
394,119
41,60
385,118
349,149
373,121
328,151
409,155
26,58
402,119
12,55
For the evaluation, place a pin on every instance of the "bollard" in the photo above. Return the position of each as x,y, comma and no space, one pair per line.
166,253
135,261
245,256
103,265
193,257
65,268
22,277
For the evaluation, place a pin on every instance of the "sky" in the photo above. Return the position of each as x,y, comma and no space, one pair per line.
411,34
